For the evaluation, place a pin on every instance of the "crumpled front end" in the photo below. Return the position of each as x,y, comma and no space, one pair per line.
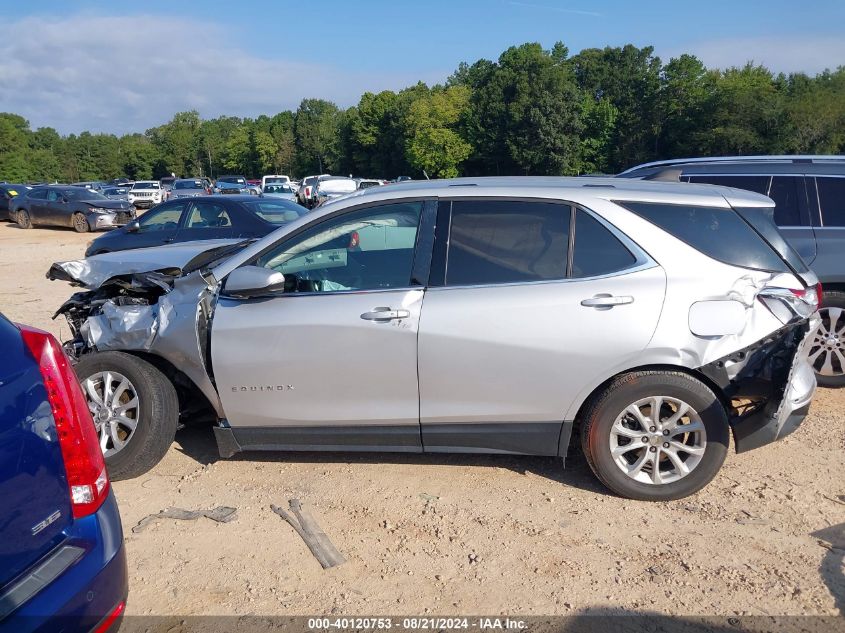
161,312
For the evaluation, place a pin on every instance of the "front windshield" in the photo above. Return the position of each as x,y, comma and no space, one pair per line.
145,185
82,194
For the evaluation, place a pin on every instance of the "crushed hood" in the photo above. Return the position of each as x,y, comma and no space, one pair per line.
171,259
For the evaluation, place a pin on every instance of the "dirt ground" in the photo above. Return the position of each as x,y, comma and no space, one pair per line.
466,534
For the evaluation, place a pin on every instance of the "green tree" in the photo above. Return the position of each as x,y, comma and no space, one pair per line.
316,134
629,78
435,145
525,115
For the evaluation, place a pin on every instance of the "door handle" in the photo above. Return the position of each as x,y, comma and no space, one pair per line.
606,301
385,314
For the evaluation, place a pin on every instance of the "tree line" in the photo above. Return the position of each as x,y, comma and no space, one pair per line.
531,112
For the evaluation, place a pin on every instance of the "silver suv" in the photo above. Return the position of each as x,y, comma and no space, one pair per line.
648,320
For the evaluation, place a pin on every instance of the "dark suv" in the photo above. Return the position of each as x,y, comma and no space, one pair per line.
809,195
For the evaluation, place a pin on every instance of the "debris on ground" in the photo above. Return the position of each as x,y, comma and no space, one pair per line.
307,528
220,514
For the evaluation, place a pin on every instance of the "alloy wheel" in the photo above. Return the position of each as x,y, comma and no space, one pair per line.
113,402
827,353
658,440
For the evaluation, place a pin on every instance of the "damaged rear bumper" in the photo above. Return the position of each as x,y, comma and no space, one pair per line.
770,385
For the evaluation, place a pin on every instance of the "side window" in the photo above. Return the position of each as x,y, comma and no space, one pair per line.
53,195
37,194
785,191
164,218
719,233
208,215
497,241
597,251
368,249
757,184
832,200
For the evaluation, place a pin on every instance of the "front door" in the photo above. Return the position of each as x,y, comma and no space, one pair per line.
332,361
517,327
158,226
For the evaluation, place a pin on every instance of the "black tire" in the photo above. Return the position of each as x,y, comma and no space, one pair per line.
601,412
158,411
22,219
831,299
80,223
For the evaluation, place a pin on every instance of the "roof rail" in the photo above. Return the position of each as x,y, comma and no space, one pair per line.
672,174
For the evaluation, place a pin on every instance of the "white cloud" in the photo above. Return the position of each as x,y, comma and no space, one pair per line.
130,73
788,53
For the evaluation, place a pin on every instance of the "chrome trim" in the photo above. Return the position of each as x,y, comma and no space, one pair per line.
783,158
644,266
38,577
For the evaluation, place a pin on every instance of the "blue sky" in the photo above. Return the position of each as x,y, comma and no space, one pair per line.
119,66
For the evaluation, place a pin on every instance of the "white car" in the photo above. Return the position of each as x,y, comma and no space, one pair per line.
146,193
274,179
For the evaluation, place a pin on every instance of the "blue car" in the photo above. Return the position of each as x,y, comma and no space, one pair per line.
62,559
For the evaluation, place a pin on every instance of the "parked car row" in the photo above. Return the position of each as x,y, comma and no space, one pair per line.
316,190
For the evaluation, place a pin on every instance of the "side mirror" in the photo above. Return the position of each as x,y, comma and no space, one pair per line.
63,200
133,227
253,281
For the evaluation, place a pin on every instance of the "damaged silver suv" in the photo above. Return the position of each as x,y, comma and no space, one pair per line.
649,320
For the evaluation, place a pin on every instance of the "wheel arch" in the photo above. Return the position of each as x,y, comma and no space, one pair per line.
567,446
191,398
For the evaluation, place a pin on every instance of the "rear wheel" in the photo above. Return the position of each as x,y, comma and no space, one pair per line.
135,410
80,223
23,220
827,353
655,435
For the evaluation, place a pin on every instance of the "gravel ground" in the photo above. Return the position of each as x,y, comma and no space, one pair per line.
466,534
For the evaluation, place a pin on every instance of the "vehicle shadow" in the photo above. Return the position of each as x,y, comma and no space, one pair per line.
198,444
832,569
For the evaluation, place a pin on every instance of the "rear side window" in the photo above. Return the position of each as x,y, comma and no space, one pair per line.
499,241
757,184
718,233
761,219
785,191
597,251
832,200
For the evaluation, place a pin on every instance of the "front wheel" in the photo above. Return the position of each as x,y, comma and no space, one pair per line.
655,435
80,223
827,353
135,410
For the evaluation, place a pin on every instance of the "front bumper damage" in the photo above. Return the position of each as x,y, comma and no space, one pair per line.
159,312
768,385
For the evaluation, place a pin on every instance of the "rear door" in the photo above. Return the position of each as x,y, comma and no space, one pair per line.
33,485
829,195
158,226
792,214
529,303
37,205
206,220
